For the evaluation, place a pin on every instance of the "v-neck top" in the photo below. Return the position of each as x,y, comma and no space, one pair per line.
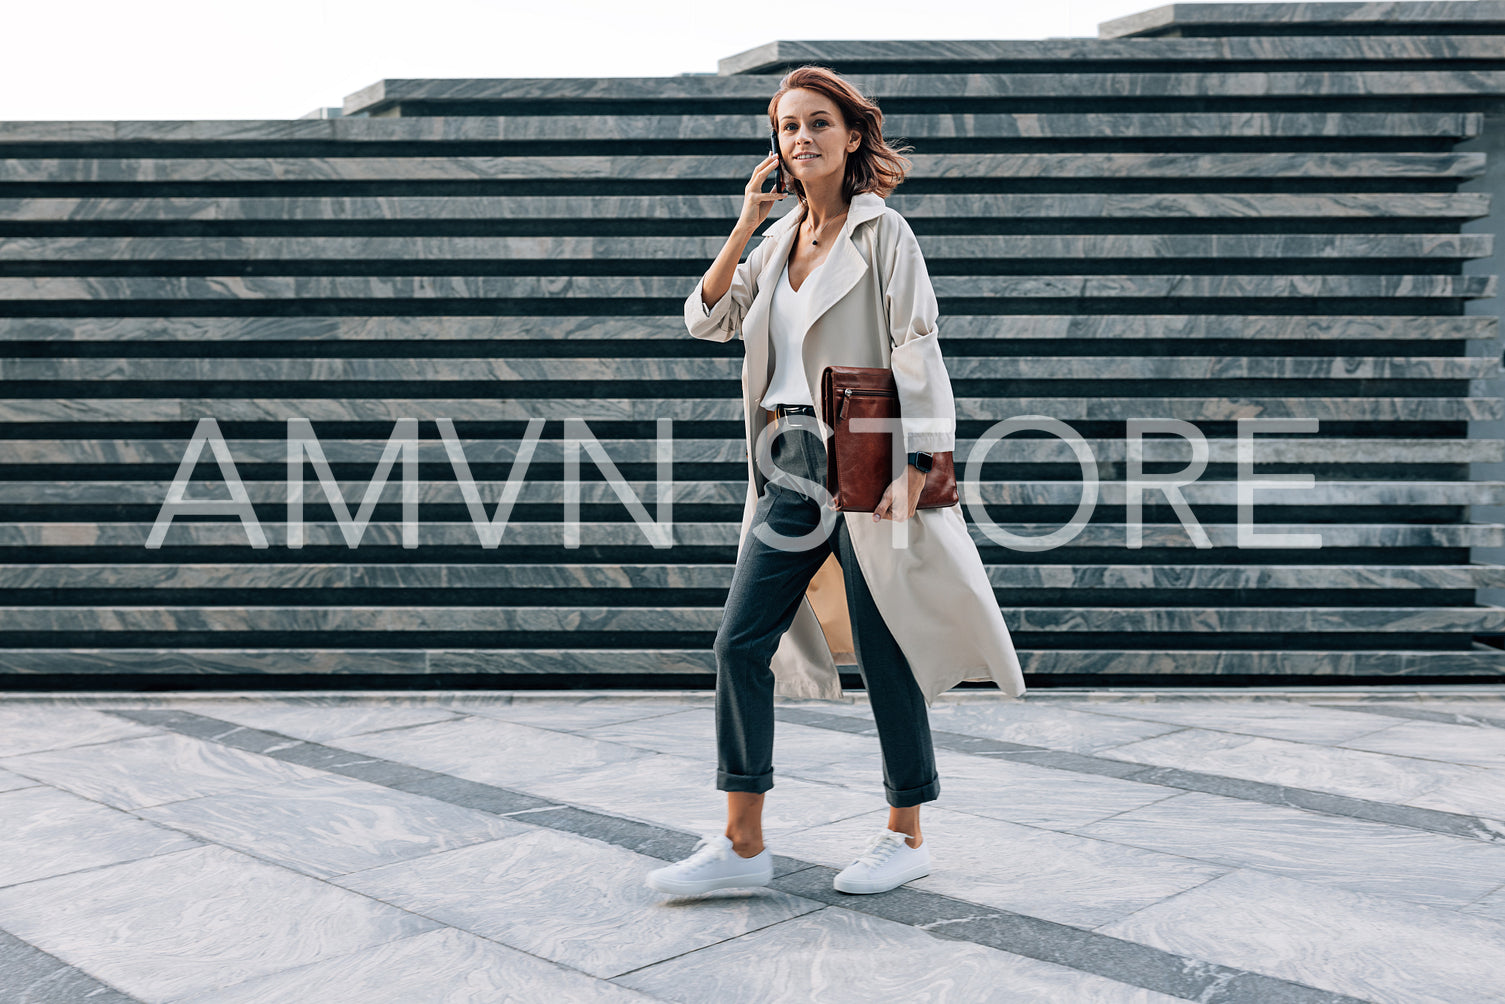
786,325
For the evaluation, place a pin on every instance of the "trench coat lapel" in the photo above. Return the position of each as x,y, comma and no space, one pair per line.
843,269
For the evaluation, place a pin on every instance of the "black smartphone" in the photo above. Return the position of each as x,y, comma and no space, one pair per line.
778,171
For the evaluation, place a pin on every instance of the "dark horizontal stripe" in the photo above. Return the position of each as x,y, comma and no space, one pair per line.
32,975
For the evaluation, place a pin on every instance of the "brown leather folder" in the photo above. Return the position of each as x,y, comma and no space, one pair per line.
859,465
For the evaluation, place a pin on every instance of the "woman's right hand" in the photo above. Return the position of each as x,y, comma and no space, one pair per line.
756,203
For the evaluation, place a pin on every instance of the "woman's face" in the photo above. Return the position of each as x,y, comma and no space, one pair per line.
813,137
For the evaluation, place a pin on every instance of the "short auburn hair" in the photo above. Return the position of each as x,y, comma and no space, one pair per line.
874,166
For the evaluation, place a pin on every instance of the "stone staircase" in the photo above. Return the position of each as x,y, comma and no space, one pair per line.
1211,213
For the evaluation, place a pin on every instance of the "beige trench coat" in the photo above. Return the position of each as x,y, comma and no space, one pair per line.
932,591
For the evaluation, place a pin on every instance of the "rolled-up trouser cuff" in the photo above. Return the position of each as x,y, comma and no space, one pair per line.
913,796
755,783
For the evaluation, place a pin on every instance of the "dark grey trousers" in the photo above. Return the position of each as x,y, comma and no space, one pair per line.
766,590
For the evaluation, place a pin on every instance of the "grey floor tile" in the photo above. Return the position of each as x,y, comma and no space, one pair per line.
1491,906
1464,744
484,749
571,900
1292,720
1044,725
1017,792
1355,773
693,734
681,794
1317,847
49,832
444,965
320,723
1055,876
131,773
1491,709
330,825
558,908
182,923
831,957
687,732
1474,790
577,715
1371,947
31,728
10,781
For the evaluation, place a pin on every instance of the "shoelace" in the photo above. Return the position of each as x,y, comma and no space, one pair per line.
705,851
880,848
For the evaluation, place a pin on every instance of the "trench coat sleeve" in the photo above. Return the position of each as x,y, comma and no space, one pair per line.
927,409
723,320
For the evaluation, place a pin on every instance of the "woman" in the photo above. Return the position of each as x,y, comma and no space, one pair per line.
839,280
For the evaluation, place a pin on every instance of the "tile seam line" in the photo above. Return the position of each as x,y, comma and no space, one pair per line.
1216,974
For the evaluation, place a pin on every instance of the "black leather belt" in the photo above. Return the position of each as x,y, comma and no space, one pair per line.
782,410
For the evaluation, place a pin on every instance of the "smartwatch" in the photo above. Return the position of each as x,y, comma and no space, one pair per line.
920,461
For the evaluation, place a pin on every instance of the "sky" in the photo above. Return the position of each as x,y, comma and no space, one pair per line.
85,60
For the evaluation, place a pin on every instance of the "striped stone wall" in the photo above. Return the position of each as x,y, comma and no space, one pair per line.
1211,213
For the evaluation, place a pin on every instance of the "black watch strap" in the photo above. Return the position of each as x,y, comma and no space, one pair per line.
920,461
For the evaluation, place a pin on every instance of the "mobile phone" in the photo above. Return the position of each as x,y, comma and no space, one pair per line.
778,171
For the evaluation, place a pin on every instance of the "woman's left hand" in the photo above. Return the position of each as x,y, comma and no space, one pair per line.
915,480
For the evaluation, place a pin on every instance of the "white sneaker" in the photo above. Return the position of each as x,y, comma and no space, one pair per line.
712,865
887,861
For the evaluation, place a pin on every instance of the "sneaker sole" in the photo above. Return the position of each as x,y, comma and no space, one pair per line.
858,886
660,884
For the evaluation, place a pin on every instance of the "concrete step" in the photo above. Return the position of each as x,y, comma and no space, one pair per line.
579,620
615,577
98,535
957,89
174,255
536,491
1150,47
1284,199
722,169
1267,333
1413,18
1285,448
600,409
103,370
518,128
553,290
608,214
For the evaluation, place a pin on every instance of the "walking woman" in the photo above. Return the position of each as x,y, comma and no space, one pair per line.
839,280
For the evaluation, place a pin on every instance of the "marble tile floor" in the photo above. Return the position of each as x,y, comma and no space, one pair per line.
1317,844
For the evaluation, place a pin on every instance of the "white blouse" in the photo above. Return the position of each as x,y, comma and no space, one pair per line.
786,322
